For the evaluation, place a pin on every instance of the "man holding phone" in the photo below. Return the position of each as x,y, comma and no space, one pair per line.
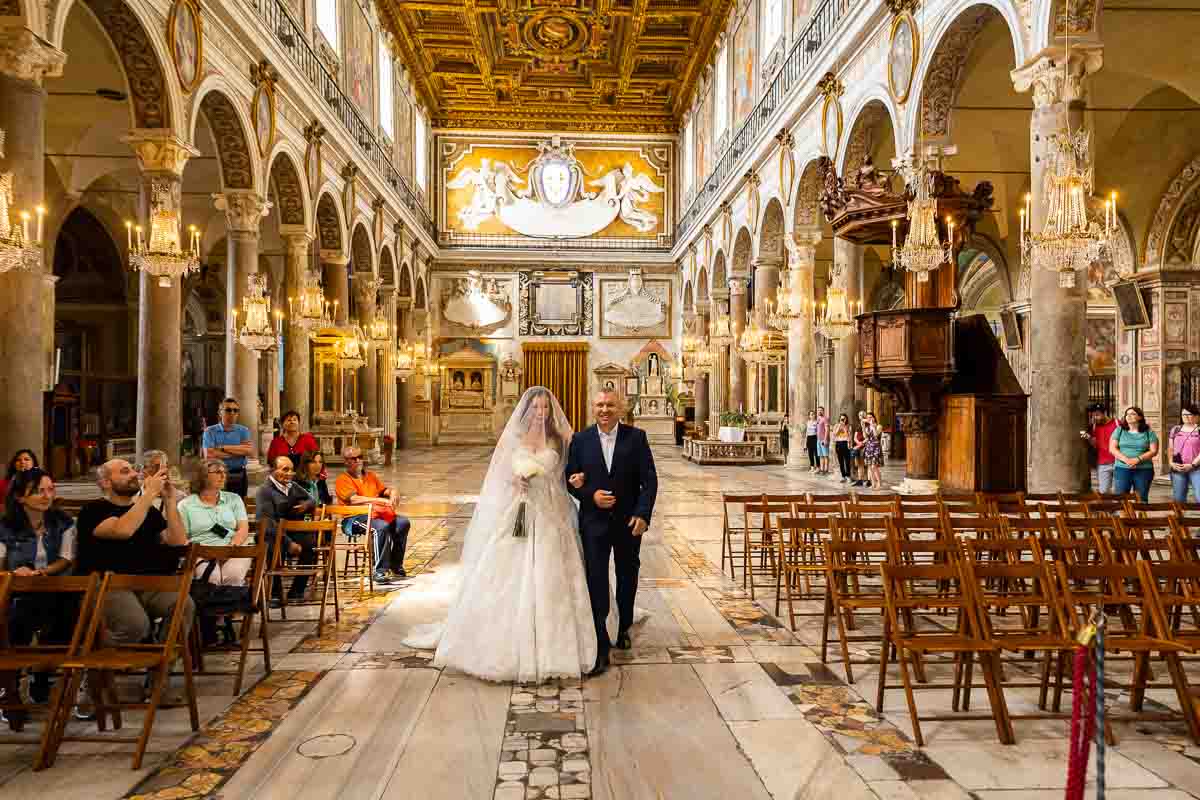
280,498
1098,435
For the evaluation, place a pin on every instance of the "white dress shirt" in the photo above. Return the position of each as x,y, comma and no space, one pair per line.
608,443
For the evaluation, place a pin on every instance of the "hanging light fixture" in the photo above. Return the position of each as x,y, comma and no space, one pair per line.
379,330
704,358
834,319
922,251
308,309
350,349
720,330
1068,241
260,327
17,249
787,306
162,254
404,361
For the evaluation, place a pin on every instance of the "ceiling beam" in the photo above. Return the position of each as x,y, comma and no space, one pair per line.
483,58
629,54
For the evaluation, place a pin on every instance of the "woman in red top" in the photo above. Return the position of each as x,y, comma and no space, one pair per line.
291,443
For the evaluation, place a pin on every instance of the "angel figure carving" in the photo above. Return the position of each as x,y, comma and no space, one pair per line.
626,190
495,185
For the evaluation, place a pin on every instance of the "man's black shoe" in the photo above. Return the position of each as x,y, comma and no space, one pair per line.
623,642
601,666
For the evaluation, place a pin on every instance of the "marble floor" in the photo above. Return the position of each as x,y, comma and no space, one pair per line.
718,698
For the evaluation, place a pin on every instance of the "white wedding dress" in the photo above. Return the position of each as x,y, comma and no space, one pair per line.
521,611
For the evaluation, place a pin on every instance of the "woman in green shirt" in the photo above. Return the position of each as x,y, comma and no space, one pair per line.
215,517
1134,447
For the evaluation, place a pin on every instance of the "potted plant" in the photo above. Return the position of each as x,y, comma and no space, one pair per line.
733,426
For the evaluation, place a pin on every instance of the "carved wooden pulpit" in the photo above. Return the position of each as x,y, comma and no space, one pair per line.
910,353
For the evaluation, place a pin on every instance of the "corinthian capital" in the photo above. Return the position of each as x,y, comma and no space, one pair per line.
26,56
159,150
1053,82
243,208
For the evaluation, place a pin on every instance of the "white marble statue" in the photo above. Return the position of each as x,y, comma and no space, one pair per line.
626,190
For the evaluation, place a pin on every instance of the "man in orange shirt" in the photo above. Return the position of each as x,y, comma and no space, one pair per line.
359,487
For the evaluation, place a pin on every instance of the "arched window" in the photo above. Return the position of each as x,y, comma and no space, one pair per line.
721,103
327,22
386,104
419,147
772,24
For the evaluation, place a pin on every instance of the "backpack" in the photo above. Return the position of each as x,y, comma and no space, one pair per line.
218,601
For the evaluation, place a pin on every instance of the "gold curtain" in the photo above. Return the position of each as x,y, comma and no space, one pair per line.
561,368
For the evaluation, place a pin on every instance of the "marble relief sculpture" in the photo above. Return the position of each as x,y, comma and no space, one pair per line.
636,308
476,304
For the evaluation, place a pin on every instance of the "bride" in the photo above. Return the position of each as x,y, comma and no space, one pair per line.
522,611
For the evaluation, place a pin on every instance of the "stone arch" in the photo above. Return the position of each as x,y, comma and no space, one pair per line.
404,281
743,249
770,242
720,277
688,300
155,99
939,74
807,214
972,286
331,231
865,134
387,265
1172,230
702,286
419,295
229,125
290,190
86,259
362,250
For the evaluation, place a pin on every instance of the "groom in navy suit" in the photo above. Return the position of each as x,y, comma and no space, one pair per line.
610,471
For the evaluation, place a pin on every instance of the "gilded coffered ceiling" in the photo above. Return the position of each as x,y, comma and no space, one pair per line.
594,65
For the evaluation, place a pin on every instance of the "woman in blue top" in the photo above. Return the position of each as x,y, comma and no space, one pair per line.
1134,446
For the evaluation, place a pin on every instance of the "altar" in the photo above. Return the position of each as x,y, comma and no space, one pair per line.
711,451
468,398
336,431
652,394
771,436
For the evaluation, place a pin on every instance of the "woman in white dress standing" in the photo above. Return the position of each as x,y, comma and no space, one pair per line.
522,611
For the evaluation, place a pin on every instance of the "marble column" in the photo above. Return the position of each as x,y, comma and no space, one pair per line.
244,210
702,378
718,379
802,387
336,280
160,308
25,59
387,391
1058,315
297,379
366,290
737,323
848,268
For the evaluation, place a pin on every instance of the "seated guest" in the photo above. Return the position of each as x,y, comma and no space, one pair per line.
280,498
216,518
37,539
125,533
230,442
310,478
291,442
357,486
22,460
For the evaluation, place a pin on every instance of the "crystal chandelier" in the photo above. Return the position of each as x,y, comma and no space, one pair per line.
162,254
404,360
257,332
379,330
787,306
350,349
758,345
704,358
308,309
922,251
17,250
1068,241
720,331
835,318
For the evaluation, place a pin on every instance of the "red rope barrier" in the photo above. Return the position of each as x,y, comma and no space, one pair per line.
1083,728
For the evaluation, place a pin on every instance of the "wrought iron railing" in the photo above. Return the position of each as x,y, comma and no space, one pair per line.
292,39
803,52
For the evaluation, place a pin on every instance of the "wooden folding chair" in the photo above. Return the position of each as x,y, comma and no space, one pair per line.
1186,530
1085,589
1138,510
325,531
939,587
852,557
733,528
918,506
763,540
802,541
831,497
1142,537
359,548
1081,540
103,659
256,603
39,657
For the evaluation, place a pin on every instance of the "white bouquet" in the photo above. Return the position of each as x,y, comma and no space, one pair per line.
525,467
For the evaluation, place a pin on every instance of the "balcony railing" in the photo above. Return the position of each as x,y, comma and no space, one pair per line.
804,51
292,39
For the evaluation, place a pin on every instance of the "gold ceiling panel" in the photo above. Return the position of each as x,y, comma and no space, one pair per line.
593,65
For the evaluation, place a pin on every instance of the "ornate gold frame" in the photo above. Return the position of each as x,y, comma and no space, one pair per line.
194,7
831,102
265,90
915,40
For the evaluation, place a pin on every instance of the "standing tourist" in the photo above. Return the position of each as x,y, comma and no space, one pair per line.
1134,446
291,442
810,442
841,446
873,451
822,442
1098,436
1185,455
230,441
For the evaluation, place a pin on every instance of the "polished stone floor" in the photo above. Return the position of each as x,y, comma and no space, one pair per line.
718,699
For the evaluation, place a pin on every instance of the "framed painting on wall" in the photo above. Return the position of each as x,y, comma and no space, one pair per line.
185,38
359,52
902,61
1012,329
745,41
1131,305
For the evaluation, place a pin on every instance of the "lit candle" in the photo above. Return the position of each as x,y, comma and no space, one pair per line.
895,225
950,231
25,227
140,244
233,320
41,212
1022,227
129,233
